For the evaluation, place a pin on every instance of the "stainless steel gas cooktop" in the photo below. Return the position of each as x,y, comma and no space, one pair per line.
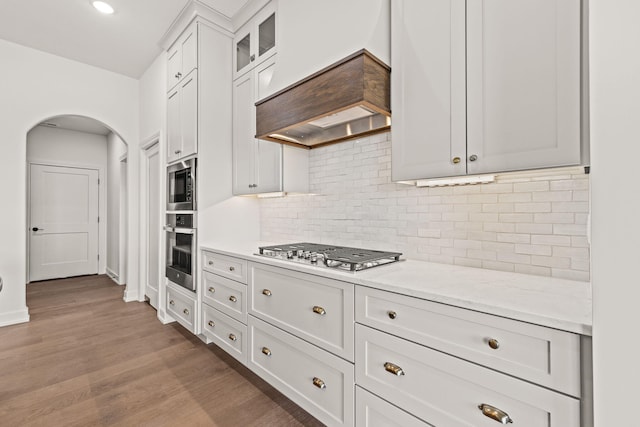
340,257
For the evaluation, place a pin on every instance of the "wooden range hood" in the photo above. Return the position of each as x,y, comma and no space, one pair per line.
349,99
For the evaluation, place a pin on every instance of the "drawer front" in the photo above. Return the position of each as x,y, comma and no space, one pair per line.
318,381
446,391
181,308
226,295
541,355
371,411
229,267
227,333
315,309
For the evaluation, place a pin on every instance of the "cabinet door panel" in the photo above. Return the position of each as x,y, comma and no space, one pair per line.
189,46
243,135
189,114
269,154
174,137
523,84
174,59
428,102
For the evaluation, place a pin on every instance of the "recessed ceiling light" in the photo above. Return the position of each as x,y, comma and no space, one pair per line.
103,7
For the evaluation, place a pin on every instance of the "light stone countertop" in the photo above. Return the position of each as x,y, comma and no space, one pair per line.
555,303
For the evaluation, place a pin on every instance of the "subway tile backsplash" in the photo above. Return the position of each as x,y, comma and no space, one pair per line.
533,223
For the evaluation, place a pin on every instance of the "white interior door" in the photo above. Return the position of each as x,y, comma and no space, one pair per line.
63,222
153,224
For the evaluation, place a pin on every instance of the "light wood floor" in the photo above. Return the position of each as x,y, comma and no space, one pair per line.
80,363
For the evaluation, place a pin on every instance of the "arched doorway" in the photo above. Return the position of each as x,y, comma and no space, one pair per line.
74,209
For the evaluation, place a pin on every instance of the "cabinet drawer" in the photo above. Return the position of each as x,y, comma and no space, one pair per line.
446,391
229,267
318,381
313,308
371,411
181,308
226,295
227,333
541,355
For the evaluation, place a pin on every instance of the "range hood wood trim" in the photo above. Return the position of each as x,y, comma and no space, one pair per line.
359,79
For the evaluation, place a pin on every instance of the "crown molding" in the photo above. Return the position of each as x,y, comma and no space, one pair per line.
193,10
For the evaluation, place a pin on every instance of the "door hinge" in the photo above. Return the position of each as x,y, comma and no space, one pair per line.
98,257
98,220
98,181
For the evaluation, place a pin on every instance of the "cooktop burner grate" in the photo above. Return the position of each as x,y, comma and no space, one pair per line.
341,257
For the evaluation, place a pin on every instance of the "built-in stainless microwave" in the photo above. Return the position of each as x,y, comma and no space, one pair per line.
181,186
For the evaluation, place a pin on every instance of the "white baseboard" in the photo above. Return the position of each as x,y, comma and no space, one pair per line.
130,295
113,275
14,317
164,318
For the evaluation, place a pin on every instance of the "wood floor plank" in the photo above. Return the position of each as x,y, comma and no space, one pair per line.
79,362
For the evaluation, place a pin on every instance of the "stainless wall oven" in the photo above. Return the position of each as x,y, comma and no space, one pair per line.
181,250
181,186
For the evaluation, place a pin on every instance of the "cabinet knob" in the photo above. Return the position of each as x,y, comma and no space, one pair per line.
185,311
232,337
319,310
177,152
319,383
232,269
252,57
211,323
266,351
455,160
212,289
266,292
493,343
394,369
232,298
495,413
473,158
210,262
392,314
179,74
176,76
172,302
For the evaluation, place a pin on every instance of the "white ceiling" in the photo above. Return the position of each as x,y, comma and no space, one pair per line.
125,42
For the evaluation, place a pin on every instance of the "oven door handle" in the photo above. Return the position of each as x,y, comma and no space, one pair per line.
184,230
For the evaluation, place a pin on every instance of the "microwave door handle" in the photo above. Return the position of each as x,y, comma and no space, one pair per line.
169,228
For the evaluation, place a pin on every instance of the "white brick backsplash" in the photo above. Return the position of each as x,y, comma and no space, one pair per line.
529,222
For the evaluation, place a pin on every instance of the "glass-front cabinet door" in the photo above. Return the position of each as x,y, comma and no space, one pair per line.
255,41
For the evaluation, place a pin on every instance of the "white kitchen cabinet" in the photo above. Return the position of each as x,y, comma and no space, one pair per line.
255,41
181,305
485,86
258,165
371,411
316,309
182,118
318,381
446,391
182,56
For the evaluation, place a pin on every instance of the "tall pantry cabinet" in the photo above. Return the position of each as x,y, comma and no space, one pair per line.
199,76
486,86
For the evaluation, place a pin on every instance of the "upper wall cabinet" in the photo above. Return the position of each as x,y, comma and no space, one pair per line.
182,56
255,41
485,86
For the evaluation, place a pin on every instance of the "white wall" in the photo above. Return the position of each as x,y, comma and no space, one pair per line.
115,150
313,34
64,147
38,86
615,145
